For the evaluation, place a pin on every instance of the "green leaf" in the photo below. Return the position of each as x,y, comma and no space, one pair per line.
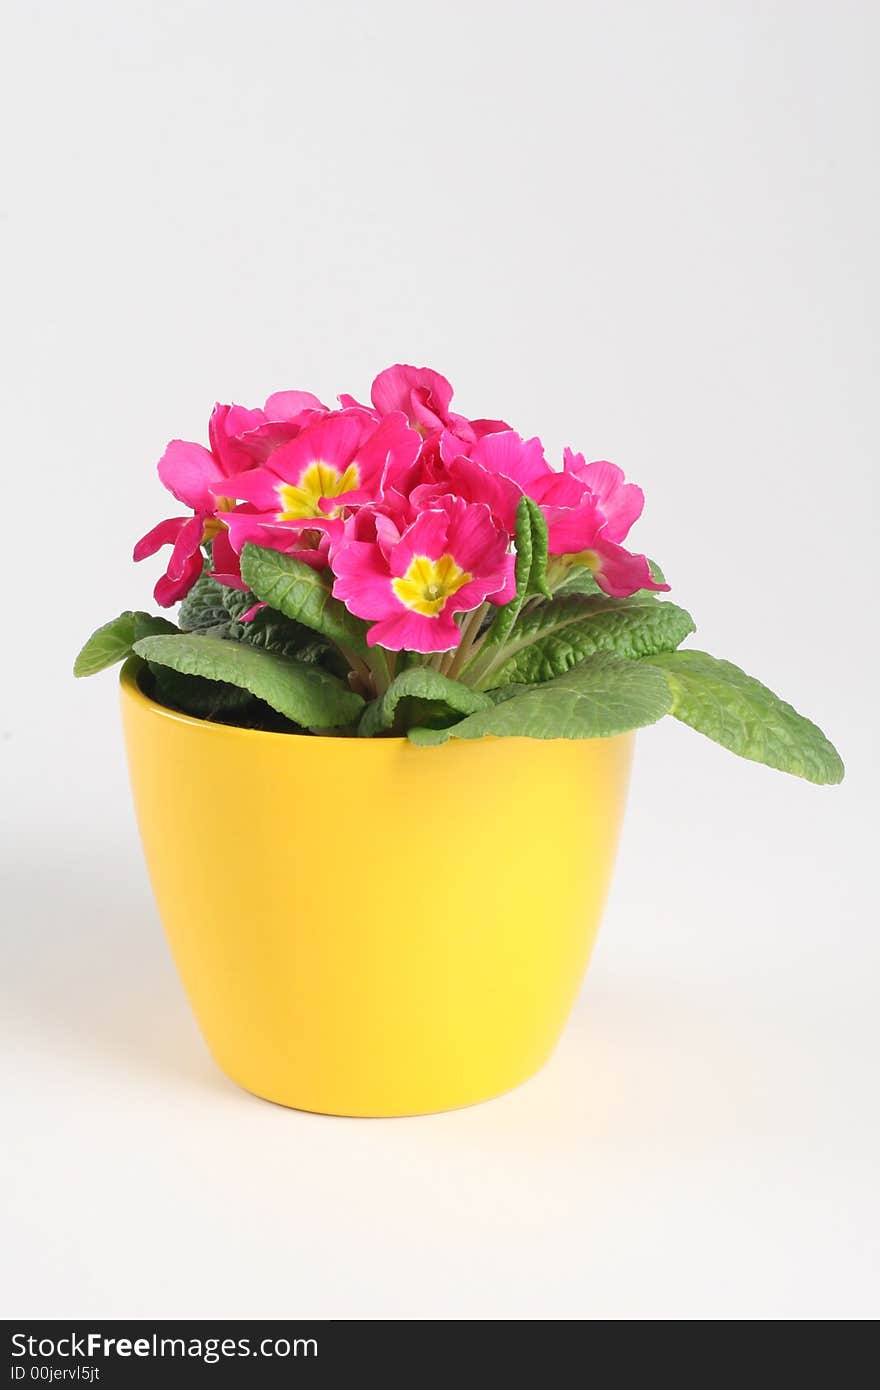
216,609
528,513
530,572
204,607
719,700
418,686
271,630
602,696
301,593
306,694
114,641
204,699
555,636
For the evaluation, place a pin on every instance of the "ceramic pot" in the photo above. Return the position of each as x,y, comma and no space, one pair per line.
364,927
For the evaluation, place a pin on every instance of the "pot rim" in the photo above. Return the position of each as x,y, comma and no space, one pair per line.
131,690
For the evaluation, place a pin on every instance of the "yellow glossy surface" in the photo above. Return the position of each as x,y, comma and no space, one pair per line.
364,927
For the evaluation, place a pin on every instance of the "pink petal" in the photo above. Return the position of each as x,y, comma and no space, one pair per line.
560,490
519,459
224,558
317,557
333,439
481,427
362,581
349,403
507,588
259,486
473,481
497,584
426,536
261,528
413,632
473,540
256,445
621,502
227,422
422,394
421,412
450,446
252,612
572,529
387,534
188,543
169,591
164,534
287,405
191,473
392,446
462,427
618,572
229,580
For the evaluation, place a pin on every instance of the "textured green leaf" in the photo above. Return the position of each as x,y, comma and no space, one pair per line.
719,700
530,572
554,636
114,641
204,607
217,609
306,694
215,700
204,699
528,513
271,630
602,696
408,696
301,593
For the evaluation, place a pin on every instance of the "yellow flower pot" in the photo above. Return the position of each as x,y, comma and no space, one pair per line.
364,927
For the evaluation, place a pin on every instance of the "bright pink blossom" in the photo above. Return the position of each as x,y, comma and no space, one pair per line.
589,509
311,544
411,505
241,438
411,583
424,397
196,478
199,478
500,468
335,463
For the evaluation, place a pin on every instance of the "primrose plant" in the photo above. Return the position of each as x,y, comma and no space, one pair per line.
398,569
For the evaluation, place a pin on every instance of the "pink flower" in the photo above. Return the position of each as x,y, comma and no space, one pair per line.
410,583
196,478
311,544
500,468
200,477
589,509
336,462
396,497
241,438
424,397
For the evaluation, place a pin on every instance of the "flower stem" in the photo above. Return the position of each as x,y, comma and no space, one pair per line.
469,634
380,669
357,664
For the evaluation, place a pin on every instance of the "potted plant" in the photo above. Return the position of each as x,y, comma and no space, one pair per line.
403,637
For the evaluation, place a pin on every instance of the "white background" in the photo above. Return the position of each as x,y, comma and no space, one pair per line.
646,229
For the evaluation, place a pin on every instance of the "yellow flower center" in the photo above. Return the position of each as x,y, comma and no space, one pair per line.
212,524
584,559
303,499
427,584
